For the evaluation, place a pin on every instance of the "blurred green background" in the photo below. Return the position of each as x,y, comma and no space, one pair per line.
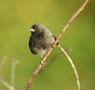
17,16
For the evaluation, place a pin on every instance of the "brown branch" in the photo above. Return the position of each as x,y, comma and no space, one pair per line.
39,68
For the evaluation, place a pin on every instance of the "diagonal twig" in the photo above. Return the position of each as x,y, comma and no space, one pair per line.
40,66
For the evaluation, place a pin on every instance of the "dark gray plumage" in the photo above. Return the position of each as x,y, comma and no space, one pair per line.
40,40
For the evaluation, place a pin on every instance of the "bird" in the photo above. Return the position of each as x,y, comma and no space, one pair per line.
41,39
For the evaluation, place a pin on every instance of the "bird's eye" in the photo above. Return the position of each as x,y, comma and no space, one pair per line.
34,26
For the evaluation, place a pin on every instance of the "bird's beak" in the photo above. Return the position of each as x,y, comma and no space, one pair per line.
32,30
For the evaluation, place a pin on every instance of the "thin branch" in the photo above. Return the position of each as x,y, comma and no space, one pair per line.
72,64
36,72
13,67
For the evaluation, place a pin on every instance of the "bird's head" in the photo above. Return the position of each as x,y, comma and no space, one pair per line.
38,28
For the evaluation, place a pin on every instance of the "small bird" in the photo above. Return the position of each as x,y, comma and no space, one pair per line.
40,39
